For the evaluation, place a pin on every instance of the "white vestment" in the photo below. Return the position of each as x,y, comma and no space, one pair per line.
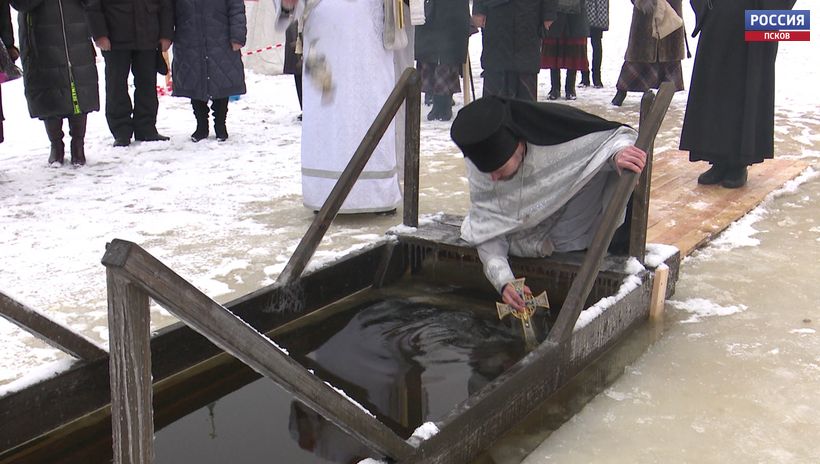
348,33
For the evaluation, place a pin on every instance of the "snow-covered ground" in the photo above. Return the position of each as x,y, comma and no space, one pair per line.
227,216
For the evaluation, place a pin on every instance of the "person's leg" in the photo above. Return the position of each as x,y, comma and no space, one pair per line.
555,84
597,56
76,128
219,107
117,100
146,103
569,90
54,130
201,114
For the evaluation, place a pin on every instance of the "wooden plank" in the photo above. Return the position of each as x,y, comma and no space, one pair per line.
49,331
307,246
640,197
412,142
132,416
240,340
656,302
582,284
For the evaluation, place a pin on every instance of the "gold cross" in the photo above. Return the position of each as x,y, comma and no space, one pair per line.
531,303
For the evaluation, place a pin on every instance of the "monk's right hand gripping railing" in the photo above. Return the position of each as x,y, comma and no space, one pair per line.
133,276
408,89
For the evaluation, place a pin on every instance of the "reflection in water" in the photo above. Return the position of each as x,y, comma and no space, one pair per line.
408,357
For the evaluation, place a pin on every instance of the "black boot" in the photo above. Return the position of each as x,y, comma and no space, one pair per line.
76,128
428,98
570,85
54,130
713,176
436,110
735,177
584,79
219,107
618,100
555,84
201,114
445,112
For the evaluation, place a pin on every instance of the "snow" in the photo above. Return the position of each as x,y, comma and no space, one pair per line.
700,308
423,432
588,315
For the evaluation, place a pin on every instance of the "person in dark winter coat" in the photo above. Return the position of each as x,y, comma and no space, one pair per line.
598,16
649,61
729,119
565,47
207,59
293,60
441,50
59,71
511,44
7,36
131,34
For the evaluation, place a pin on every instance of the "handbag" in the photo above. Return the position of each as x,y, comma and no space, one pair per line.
8,70
568,6
395,35
665,21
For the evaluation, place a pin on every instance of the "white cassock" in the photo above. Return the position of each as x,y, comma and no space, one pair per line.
349,35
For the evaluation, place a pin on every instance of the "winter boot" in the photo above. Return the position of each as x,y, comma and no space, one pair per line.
584,79
76,128
569,90
201,115
713,176
618,100
555,84
437,109
445,112
54,130
735,177
219,108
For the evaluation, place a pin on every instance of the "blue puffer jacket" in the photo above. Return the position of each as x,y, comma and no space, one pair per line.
205,66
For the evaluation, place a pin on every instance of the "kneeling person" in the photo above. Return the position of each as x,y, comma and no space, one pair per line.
541,176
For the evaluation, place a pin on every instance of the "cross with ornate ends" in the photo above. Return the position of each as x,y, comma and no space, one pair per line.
531,303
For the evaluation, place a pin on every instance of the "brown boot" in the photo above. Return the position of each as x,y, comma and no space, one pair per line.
54,130
76,128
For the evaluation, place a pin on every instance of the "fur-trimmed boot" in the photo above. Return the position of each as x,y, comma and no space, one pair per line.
201,114
76,128
219,107
54,130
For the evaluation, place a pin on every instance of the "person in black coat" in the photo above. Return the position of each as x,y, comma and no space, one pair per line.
7,36
729,119
441,50
131,34
565,47
511,44
59,70
207,63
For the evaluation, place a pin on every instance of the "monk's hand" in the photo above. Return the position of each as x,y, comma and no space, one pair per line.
631,158
512,298
479,20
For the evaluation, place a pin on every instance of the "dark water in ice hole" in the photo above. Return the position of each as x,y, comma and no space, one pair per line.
407,358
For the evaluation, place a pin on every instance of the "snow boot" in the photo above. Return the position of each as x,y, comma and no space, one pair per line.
201,114
54,130
618,100
735,177
569,89
584,79
219,108
445,110
555,84
76,128
713,176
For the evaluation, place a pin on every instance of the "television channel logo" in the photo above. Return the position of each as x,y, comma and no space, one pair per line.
777,25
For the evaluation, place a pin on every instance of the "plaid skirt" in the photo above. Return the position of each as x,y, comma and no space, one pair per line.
640,77
440,79
564,54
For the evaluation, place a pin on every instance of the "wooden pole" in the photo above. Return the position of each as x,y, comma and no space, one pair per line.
307,246
582,284
640,198
656,302
49,331
412,139
132,413
242,341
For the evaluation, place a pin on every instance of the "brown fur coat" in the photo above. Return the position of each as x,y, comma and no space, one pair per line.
643,47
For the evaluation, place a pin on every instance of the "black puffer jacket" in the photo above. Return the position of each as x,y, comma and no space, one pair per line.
443,37
132,24
511,37
59,72
205,66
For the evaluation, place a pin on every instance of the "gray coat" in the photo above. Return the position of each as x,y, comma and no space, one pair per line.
205,66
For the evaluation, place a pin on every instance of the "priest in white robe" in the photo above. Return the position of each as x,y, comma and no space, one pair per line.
347,78
541,176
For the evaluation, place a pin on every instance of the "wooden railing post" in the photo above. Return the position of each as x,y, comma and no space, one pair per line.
412,130
640,198
132,417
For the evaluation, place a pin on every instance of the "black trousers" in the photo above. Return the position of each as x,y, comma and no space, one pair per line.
123,119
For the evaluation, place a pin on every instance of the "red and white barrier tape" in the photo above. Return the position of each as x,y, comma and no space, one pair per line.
264,49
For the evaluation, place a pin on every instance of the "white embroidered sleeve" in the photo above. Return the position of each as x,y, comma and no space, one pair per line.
493,255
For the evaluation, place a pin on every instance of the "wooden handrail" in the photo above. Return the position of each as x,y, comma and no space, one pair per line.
134,275
582,284
49,331
640,198
407,88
